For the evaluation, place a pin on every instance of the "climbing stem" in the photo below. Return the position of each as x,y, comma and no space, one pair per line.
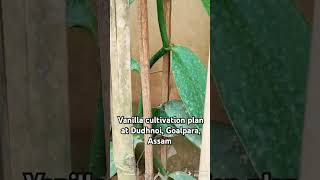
159,166
145,83
152,61
162,24
157,56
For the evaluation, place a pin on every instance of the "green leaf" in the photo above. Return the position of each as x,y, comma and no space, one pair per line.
135,66
228,157
206,5
81,14
261,52
179,175
157,112
97,164
113,168
190,77
177,109
160,168
160,112
137,138
131,1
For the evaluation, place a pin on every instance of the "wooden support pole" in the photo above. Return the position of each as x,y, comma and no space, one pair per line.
145,82
166,72
4,123
204,170
121,96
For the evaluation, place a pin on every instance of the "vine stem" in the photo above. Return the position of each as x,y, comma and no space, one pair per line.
152,62
162,23
166,69
157,56
145,82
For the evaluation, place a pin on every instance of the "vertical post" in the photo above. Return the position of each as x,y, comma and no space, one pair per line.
103,15
35,54
121,98
204,170
4,133
145,82
166,72
311,145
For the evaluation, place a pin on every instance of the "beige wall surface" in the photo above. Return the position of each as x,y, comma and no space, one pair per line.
190,28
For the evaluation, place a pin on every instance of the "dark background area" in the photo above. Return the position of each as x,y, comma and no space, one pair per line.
217,110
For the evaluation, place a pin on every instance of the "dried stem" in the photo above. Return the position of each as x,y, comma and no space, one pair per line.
166,71
145,82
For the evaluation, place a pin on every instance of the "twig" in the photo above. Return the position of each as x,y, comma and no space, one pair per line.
145,83
166,71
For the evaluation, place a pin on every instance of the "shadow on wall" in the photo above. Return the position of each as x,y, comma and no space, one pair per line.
83,92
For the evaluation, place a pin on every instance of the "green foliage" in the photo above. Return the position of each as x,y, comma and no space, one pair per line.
131,1
228,156
189,73
80,14
113,168
177,109
135,66
261,56
190,76
179,175
206,5
97,164
160,112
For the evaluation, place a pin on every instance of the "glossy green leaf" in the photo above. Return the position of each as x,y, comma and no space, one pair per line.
135,66
190,77
228,157
97,164
260,51
160,112
206,5
113,168
177,109
179,175
81,14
